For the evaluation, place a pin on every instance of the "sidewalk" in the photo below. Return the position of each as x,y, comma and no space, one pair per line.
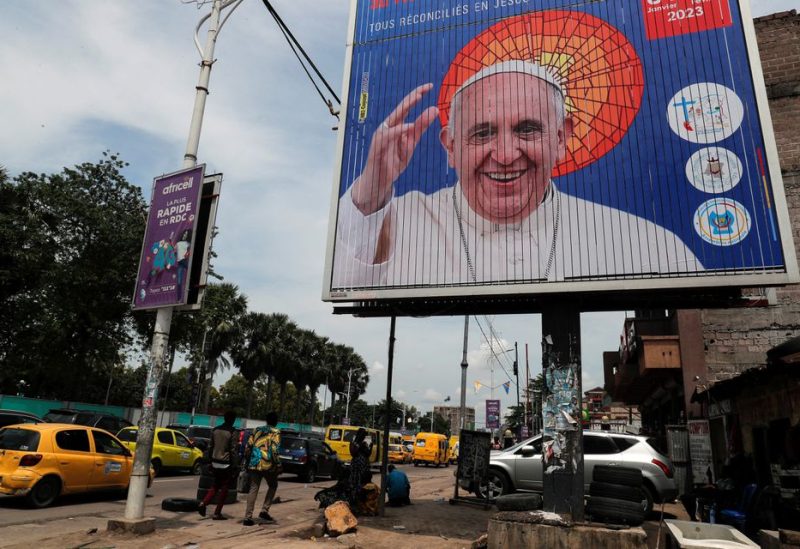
431,523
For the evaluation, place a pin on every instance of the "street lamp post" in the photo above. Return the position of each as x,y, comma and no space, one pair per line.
349,383
140,476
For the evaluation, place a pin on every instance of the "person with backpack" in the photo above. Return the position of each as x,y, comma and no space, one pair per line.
263,462
224,460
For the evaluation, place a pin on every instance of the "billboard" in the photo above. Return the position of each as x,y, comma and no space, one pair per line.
496,146
166,259
492,414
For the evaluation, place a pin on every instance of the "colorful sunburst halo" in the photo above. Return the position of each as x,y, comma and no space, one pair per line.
596,64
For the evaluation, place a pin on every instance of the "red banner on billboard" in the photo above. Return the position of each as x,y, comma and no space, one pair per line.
665,18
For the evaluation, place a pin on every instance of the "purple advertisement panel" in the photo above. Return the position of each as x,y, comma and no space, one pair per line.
492,414
166,260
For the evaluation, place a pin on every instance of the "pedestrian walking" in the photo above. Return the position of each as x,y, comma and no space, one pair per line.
263,463
223,458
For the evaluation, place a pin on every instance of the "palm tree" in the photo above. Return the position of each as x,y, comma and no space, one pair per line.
250,351
222,309
348,372
312,361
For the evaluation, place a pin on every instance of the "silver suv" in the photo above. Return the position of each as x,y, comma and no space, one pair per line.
520,467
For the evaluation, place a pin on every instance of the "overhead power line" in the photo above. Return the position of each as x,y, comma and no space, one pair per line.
294,44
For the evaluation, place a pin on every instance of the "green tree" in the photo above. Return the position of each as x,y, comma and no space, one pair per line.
70,245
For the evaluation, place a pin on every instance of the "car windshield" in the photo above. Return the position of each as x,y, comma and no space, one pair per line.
203,432
59,417
182,428
128,435
21,440
292,443
395,448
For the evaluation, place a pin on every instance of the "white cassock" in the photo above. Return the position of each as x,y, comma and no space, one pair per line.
437,239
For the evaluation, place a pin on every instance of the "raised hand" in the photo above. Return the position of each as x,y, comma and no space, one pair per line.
390,152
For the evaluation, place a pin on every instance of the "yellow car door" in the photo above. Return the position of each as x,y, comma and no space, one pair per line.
112,464
75,458
185,451
165,448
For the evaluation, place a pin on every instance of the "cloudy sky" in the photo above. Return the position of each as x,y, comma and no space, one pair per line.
83,76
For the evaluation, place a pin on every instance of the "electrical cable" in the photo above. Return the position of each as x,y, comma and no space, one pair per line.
491,348
294,44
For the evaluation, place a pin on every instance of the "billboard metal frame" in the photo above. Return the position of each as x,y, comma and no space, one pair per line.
699,284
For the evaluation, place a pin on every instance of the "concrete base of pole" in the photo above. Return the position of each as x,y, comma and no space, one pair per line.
511,530
139,527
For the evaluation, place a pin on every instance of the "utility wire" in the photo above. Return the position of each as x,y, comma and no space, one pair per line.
491,348
295,46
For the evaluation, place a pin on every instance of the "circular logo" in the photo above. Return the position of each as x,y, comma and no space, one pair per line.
722,222
714,170
705,113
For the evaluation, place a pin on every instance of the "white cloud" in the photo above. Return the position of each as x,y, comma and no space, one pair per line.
377,367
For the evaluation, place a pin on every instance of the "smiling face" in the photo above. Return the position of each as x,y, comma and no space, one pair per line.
505,137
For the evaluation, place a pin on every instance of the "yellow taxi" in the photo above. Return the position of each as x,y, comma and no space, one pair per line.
399,454
171,449
45,460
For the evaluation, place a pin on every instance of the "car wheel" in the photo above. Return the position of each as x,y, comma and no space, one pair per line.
311,474
649,499
156,463
519,502
615,511
179,505
197,468
416,463
497,484
616,491
44,492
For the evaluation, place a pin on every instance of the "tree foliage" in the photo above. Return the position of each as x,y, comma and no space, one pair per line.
69,248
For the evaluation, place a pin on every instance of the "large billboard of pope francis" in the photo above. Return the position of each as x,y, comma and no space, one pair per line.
494,147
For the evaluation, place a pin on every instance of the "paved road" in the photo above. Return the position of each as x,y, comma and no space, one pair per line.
14,511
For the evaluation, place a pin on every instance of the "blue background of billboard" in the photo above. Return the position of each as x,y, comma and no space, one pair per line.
644,174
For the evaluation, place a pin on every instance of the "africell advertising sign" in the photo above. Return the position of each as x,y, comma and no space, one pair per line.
499,146
166,258
492,414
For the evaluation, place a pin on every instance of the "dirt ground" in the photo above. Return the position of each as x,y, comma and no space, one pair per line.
430,523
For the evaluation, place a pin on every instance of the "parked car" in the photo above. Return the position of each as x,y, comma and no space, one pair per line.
171,449
109,422
200,435
399,454
520,466
42,461
14,417
308,458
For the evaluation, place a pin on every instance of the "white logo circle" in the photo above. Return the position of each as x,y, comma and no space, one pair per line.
705,113
722,221
714,170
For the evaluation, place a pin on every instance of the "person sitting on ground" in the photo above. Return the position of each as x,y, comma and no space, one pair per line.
338,492
368,497
398,488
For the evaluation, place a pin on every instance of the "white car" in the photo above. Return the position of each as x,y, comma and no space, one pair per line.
520,467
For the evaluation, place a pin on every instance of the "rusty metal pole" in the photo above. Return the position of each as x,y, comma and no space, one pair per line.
562,449
384,448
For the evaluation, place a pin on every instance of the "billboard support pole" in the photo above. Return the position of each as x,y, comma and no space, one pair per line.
463,404
562,450
134,506
384,448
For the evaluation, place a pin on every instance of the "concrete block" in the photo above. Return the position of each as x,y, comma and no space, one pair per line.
340,520
789,537
140,527
511,532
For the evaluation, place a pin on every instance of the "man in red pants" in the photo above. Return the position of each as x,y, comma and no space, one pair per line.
224,463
